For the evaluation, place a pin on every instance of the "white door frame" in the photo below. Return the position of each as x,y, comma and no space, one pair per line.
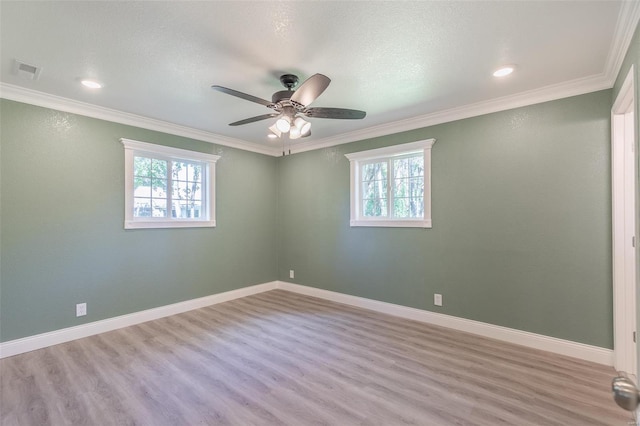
624,184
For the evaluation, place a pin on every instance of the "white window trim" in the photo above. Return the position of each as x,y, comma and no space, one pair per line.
357,158
131,148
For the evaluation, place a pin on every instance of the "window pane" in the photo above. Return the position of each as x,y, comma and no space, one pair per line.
168,187
388,186
196,191
384,209
374,171
416,166
368,190
186,191
416,207
142,166
416,186
141,187
374,207
368,208
187,209
159,207
374,189
381,188
401,188
197,209
142,207
177,209
408,208
194,173
401,168
179,190
368,172
158,168
159,188
179,170
401,207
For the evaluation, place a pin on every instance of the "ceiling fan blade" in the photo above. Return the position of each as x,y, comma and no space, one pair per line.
311,89
253,119
340,113
242,95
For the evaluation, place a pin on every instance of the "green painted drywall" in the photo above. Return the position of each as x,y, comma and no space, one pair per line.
521,222
521,211
62,240
632,57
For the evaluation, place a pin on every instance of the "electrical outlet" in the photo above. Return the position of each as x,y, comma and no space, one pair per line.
437,299
292,274
81,309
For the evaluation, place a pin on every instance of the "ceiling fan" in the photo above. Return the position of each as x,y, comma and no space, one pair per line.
290,106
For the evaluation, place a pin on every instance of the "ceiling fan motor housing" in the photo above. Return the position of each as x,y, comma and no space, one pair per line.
282,99
281,102
281,95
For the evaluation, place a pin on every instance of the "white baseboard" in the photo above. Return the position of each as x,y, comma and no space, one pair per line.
27,344
524,338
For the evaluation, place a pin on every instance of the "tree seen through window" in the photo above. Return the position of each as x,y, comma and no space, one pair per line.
161,184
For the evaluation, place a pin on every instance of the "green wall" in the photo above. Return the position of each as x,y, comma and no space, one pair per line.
521,231
521,235
633,58
62,239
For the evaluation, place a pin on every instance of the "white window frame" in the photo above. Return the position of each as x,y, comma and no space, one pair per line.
357,159
133,148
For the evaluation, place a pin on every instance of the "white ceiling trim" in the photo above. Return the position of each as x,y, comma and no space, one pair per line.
628,19
627,22
33,97
531,97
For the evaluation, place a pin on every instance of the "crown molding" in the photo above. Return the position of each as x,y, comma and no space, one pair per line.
530,97
33,97
628,19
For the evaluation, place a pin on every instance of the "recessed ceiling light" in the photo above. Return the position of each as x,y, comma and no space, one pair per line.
271,136
504,71
91,84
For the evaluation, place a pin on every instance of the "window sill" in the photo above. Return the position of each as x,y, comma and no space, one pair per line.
151,224
392,223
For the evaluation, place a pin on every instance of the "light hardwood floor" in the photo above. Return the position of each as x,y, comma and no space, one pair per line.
279,358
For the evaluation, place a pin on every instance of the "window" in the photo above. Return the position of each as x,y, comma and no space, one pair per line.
391,186
168,187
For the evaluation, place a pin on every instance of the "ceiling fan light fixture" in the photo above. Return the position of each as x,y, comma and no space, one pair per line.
302,125
275,133
283,124
294,133
288,106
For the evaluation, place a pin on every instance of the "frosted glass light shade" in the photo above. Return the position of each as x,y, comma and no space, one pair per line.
294,133
283,124
274,131
302,125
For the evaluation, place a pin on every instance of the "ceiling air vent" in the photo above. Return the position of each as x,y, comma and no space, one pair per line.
25,70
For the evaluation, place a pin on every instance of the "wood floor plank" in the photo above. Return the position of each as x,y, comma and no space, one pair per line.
279,358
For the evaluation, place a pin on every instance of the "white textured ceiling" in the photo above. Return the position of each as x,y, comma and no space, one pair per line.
402,62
